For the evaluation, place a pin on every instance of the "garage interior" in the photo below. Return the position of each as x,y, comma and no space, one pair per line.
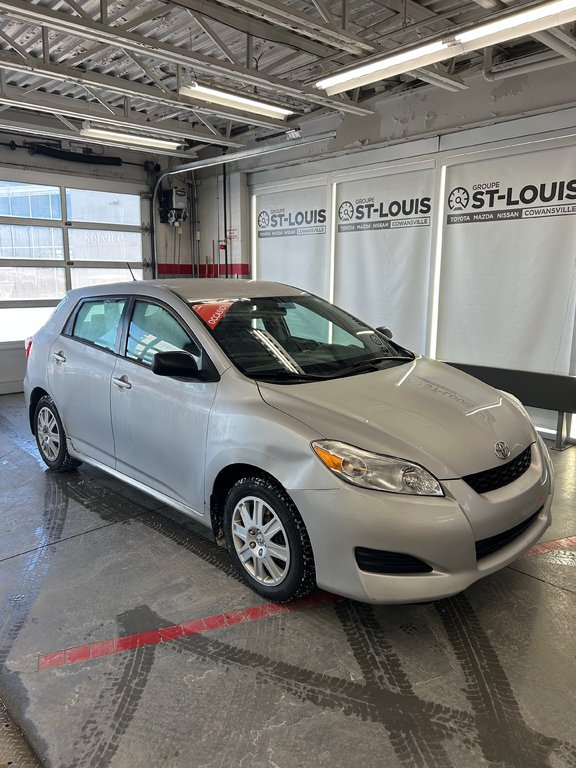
433,191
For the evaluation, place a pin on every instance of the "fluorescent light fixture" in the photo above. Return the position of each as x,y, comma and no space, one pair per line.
224,99
516,25
130,138
386,67
508,27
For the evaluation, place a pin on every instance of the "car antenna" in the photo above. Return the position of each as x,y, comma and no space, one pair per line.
130,268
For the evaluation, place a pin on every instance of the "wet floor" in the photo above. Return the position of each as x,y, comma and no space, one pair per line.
207,675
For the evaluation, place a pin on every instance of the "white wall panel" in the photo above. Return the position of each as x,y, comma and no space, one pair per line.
382,254
290,241
508,278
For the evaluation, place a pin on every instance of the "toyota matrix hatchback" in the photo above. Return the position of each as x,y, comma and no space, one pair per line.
315,448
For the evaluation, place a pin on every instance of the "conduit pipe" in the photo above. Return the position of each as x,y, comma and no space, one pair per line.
221,160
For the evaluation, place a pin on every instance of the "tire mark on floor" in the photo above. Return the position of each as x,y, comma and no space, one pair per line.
383,706
117,703
16,608
415,736
419,730
503,734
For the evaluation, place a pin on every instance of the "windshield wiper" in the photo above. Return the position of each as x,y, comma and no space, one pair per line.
367,366
361,366
287,376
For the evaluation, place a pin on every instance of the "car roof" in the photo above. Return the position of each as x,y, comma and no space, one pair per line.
214,288
194,289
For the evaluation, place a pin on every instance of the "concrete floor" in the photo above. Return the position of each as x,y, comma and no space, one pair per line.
483,679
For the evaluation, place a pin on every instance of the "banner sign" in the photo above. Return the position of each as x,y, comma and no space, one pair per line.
289,221
382,258
508,295
498,200
371,213
291,242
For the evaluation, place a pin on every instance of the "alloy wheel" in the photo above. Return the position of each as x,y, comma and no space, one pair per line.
260,541
49,437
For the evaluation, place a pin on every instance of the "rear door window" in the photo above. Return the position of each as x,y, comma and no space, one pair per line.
97,322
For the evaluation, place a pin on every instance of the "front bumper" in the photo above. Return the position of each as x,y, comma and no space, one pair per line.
442,532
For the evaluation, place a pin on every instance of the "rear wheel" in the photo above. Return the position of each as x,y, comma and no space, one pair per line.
267,540
50,437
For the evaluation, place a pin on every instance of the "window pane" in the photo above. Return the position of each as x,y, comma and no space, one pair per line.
152,330
30,201
18,324
31,283
18,242
102,207
99,245
84,277
97,322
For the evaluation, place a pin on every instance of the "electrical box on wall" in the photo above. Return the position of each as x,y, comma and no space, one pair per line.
173,206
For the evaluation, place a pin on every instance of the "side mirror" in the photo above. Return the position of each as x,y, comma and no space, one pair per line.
175,364
385,331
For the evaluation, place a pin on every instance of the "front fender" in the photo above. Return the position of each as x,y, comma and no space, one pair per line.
243,429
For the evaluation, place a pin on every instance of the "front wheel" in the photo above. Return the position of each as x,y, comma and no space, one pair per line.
268,541
50,436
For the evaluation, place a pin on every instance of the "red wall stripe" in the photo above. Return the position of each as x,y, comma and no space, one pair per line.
174,269
204,270
195,627
219,270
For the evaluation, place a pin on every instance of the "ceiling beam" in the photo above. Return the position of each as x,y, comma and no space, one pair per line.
249,25
133,88
50,103
50,129
289,18
324,11
93,30
214,37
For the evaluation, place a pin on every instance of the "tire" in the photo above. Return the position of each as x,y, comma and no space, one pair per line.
51,438
268,541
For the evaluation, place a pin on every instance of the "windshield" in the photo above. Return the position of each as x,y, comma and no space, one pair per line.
296,338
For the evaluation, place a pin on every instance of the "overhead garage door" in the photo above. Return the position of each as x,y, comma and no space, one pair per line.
54,237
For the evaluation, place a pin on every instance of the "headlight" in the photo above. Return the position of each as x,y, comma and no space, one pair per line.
379,473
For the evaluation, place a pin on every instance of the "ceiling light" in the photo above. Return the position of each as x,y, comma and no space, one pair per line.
224,99
129,138
386,67
514,26
507,27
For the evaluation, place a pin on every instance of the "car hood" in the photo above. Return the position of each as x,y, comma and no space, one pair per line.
423,411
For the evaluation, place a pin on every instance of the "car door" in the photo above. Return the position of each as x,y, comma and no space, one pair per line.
160,423
81,362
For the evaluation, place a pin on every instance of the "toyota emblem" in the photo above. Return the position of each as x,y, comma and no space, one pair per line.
501,449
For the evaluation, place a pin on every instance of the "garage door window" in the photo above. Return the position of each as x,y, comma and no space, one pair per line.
102,207
29,201
53,238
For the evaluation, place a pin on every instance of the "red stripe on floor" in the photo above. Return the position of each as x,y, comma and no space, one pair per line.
195,627
551,546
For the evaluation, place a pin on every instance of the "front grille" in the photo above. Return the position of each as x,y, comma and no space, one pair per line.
488,546
490,479
380,561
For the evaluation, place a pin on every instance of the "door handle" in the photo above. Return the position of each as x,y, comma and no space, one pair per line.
122,383
59,357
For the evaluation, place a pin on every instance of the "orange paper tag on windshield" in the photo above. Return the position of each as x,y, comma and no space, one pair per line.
212,312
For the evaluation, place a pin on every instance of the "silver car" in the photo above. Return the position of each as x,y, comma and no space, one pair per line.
319,451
